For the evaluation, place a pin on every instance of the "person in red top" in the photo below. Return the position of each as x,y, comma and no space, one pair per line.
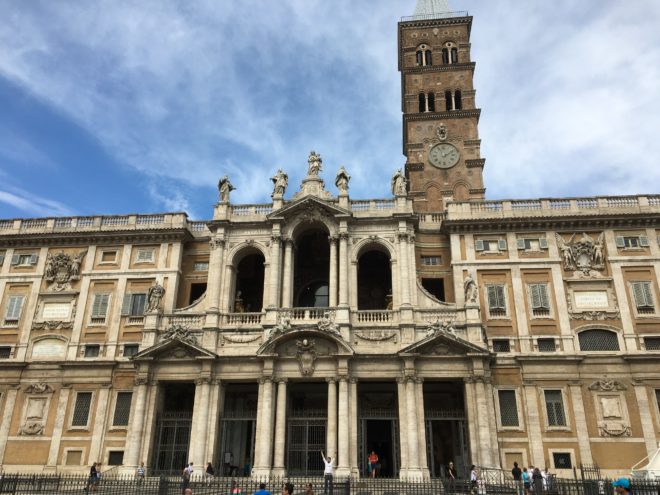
373,463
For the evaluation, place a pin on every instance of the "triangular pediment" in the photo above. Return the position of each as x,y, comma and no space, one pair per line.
443,343
310,206
174,348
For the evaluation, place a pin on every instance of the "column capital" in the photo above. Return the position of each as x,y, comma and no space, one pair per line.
353,380
468,379
217,242
401,380
276,238
332,239
265,379
140,380
331,379
343,378
419,379
203,380
402,236
281,379
343,236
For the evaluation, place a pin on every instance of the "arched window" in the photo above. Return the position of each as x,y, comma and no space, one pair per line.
431,102
312,268
420,57
374,281
445,56
454,55
458,105
427,56
249,286
422,102
598,340
423,55
449,103
450,53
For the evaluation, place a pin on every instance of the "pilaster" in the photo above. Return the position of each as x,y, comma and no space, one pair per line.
534,433
641,393
343,469
280,429
581,428
332,284
132,456
331,434
58,427
7,415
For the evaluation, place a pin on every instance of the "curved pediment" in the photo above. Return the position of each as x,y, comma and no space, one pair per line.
289,342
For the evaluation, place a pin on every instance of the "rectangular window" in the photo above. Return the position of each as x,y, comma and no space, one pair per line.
431,260
131,350
145,256
632,242
73,458
5,352
435,287
562,460
201,266
554,406
24,259
652,343
81,409
92,350
116,457
501,345
134,304
108,256
496,300
99,308
643,295
14,308
546,345
539,300
56,311
122,409
490,245
508,407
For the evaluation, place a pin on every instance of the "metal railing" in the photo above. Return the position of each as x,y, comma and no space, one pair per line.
435,15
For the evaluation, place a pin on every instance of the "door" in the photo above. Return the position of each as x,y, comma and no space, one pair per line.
172,442
305,440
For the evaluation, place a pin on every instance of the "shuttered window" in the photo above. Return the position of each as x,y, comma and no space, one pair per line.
496,299
14,307
643,295
554,405
122,408
81,409
24,259
508,408
540,302
134,304
100,307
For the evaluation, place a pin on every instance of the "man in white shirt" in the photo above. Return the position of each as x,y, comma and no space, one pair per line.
328,471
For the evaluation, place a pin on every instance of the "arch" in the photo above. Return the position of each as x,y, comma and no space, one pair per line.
461,191
449,105
249,283
245,248
309,332
598,338
423,55
431,102
370,243
421,99
449,53
433,196
301,224
374,279
458,103
311,267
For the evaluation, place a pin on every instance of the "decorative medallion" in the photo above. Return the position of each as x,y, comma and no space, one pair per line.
306,356
607,385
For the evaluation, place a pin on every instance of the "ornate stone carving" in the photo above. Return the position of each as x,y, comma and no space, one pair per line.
216,242
31,427
582,255
140,380
470,288
224,188
52,325
35,416
39,388
282,326
595,315
614,429
607,385
154,296
61,269
239,339
441,132
306,356
399,184
280,182
327,323
442,327
376,335
341,180
179,332
315,164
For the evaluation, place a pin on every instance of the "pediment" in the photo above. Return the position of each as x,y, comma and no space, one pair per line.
443,343
174,348
310,206
326,343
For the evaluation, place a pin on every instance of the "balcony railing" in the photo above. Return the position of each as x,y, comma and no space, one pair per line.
373,316
244,319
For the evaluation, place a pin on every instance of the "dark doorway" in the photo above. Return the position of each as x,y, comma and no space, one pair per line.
173,425
238,429
374,281
379,439
378,427
249,295
312,269
306,427
197,290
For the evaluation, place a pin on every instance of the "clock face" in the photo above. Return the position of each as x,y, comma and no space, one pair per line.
444,155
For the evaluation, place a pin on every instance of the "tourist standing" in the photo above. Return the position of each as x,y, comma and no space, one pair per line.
516,472
93,475
209,473
373,463
185,479
287,489
140,473
328,474
262,490
474,476
526,480
451,478
622,486
537,480
309,490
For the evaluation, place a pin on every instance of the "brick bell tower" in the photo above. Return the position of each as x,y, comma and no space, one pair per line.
440,136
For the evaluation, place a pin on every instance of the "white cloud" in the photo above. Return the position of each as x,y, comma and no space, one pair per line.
32,204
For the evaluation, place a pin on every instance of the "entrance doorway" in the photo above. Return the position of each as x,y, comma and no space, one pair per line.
378,427
307,418
238,429
173,425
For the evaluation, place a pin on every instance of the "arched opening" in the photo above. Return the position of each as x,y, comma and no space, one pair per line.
598,340
448,101
422,102
312,269
431,99
427,57
457,100
249,287
374,280
420,57
445,56
454,55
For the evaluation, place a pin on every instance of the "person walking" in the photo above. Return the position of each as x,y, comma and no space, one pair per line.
328,474
373,463
209,473
451,477
309,490
622,486
262,490
185,479
93,476
474,477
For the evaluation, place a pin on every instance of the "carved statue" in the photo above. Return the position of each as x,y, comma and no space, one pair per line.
179,332
238,303
76,261
565,249
38,388
342,179
440,326
154,296
398,184
598,255
470,287
280,181
327,324
62,268
315,163
224,188
582,255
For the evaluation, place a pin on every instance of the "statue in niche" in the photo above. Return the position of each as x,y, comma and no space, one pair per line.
239,307
280,181
341,180
224,188
470,287
315,164
398,184
154,297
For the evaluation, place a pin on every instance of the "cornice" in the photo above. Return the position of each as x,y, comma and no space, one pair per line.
94,237
479,163
421,69
453,114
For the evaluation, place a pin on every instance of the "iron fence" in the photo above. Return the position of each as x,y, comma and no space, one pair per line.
65,484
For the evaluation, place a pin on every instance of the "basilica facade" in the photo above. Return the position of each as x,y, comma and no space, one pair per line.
431,326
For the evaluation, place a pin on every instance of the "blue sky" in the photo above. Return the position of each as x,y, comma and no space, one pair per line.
122,107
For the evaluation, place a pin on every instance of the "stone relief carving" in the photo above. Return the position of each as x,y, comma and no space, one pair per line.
306,356
439,326
178,353
39,388
594,315
583,255
52,325
315,164
607,385
35,416
310,213
441,132
239,338
154,296
398,184
62,269
282,326
470,288
216,242
179,332
224,188
327,324
280,182
341,180
376,335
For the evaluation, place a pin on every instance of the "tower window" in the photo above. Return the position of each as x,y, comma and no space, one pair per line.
423,56
422,102
445,56
454,55
431,102
458,105
420,57
427,57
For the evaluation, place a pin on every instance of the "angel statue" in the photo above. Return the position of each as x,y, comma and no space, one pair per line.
470,287
280,181
398,183
342,180
597,257
566,251
154,296
225,187
315,163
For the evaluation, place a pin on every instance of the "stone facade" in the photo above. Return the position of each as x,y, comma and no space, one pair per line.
432,326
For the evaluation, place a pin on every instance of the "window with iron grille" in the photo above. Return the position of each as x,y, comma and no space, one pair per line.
496,300
652,343
539,300
131,350
116,457
122,408
508,407
501,345
598,340
5,352
562,460
134,304
431,260
546,345
81,409
554,406
643,296
92,350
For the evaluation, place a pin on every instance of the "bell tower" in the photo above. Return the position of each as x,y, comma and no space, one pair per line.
440,118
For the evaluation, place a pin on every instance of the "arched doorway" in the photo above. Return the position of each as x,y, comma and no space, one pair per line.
249,287
312,269
374,280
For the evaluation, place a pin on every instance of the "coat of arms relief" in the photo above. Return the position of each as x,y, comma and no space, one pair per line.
62,269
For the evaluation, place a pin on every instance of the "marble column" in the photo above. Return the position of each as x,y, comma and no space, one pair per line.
413,437
280,429
217,247
403,432
332,285
331,434
200,422
265,444
343,268
483,413
288,274
646,419
353,412
274,272
404,276
421,427
472,419
58,427
343,435
136,422
7,415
